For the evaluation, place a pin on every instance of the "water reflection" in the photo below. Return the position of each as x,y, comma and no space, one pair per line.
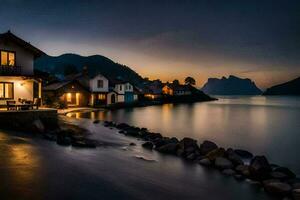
256,123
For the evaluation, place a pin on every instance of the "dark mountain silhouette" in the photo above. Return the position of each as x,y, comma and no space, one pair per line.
289,88
231,86
95,64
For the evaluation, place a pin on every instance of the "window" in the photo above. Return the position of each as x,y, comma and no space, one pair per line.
8,58
69,97
101,96
100,83
6,90
121,87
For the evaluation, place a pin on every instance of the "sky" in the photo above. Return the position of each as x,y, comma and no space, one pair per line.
168,39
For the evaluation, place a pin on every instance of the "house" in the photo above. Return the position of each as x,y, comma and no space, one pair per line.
99,88
82,90
121,92
177,90
17,80
72,93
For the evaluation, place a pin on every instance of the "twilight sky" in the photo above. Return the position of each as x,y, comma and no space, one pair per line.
168,39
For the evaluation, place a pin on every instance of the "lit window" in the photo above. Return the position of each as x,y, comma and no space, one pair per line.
6,90
69,97
8,58
101,96
100,83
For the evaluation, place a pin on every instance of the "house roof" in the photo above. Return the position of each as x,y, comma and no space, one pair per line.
179,87
10,36
56,86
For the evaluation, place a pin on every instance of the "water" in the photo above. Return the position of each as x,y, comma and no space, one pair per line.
264,125
33,168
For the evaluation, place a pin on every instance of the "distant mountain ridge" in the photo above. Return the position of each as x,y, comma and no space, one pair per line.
96,64
289,88
231,86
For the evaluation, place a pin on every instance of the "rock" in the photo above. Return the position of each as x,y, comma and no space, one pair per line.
243,153
96,121
239,177
207,146
296,185
187,146
191,157
148,145
212,155
233,157
285,171
122,126
132,144
38,126
259,168
228,172
277,188
84,143
63,140
243,170
278,175
170,148
205,162
223,163
296,194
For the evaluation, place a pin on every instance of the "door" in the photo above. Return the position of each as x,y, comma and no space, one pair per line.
77,99
113,98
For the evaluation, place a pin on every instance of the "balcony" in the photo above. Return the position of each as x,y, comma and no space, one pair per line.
10,70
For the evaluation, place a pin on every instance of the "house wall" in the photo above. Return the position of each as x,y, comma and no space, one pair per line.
127,87
22,88
24,58
94,84
121,98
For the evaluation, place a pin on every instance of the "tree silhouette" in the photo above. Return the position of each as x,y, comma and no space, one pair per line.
176,82
189,81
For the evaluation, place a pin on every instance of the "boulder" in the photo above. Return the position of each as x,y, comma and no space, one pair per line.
277,188
96,121
132,144
285,171
148,145
239,177
63,140
223,163
212,155
84,143
243,153
228,172
122,126
187,146
170,148
234,157
296,194
205,162
243,170
38,126
207,146
259,168
278,175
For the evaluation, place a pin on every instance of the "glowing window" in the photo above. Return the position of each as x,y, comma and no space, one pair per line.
101,96
6,90
8,58
69,97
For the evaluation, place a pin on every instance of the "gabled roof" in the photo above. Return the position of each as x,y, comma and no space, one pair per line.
11,37
56,86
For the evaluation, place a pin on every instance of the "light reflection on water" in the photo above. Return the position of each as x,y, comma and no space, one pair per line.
263,125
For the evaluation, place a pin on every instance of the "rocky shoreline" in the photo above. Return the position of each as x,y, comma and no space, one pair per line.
241,164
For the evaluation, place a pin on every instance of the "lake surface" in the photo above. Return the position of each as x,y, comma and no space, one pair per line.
263,125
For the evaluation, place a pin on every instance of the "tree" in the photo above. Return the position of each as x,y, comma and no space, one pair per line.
70,69
190,81
176,82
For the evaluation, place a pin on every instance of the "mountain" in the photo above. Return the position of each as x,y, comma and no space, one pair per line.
95,64
231,86
289,88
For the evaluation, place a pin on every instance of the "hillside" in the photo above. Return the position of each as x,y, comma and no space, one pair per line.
96,64
231,86
289,88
